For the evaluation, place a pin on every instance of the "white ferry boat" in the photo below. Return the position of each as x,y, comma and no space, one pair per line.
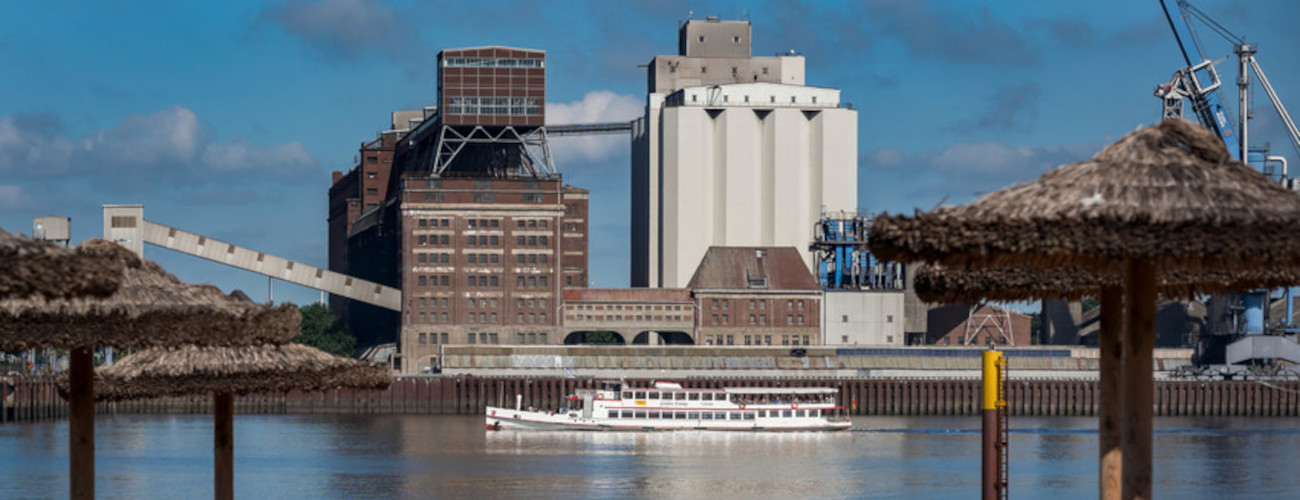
667,406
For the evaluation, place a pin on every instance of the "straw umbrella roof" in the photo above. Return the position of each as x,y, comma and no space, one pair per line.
179,371
1169,193
151,308
935,283
33,267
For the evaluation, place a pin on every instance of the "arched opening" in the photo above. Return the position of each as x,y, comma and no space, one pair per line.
663,338
594,338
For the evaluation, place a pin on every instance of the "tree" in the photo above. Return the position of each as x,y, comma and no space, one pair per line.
322,330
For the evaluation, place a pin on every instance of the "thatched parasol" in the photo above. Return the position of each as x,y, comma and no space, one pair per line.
1167,198
166,371
936,283
1169,194
225,371
34,267
150,308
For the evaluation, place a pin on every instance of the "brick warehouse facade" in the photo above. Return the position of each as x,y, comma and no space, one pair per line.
484,261
492,86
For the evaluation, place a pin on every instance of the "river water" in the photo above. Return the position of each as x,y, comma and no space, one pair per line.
425,456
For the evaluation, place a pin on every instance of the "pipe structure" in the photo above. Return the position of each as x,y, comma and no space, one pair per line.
991,402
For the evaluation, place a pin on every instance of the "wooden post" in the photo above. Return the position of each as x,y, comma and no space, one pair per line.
223,445
1139,340
81,433
1110,411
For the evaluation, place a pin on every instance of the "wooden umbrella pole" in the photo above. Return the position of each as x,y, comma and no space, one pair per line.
1110,413
223,445
81,427
1139,339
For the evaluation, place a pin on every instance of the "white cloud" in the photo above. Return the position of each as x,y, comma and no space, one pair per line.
168,145
240,155
345,28
596,107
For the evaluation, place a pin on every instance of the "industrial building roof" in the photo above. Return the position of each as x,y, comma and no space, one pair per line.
752,268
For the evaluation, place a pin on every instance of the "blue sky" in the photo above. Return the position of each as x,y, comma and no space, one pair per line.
226,118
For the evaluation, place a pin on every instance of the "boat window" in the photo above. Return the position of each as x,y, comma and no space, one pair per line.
640,414
816,413
654,414
785,413
626,394
695,415
749,415
800,413
695,396
680,415
640,395
762,413
654,395
735,416
681,396
708,415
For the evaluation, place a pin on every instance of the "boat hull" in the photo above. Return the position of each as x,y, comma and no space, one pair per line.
511,419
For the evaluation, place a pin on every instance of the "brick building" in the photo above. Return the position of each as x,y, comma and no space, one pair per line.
629,316
756,296
482,263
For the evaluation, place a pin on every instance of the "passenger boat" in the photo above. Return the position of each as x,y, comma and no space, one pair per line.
668,406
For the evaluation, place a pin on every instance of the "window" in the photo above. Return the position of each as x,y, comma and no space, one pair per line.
789,319
889,318
433,197
445,280
423,338
473,258
544,241
496,240
446,239
372,175
844,318
701,38
800,318
423,258
495,282
845,339
532,198
424,240
735,39
519,282
445,258
519,240
372,159
423,281
751,319
889,339
481,197
801,304
496,259
726,319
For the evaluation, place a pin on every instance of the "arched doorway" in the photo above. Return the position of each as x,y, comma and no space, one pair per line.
663,338
594,338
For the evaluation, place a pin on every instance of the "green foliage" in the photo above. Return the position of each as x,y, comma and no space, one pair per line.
601,338
322,330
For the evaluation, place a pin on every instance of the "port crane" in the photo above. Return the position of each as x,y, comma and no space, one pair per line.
1198,83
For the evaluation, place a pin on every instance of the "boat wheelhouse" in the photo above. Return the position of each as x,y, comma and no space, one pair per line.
669,406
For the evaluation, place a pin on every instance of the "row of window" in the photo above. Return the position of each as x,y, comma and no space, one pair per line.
487,303
483,281
481,258
493,62
482,240
712,415
509,106
757,319
757,339
757,304
620,317
620,307
483,338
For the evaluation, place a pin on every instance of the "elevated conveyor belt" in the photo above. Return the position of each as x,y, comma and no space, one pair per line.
270,265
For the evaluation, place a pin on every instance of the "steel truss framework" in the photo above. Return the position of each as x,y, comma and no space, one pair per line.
536,158
997,319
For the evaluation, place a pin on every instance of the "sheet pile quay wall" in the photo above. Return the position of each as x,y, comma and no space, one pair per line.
35,399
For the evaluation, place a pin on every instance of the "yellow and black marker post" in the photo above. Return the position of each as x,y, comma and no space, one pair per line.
993,410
